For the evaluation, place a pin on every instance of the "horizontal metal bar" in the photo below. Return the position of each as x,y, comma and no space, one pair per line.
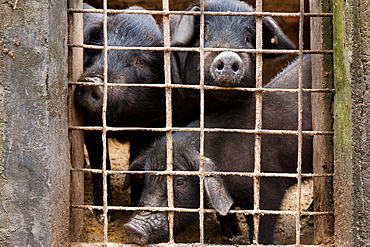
114,244
197,210
185,86
161,12
207,174
209,130
197,49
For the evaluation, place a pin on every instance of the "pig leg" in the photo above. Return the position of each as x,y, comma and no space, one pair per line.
266,228
249,220
272,193
267,223
229,225
94,146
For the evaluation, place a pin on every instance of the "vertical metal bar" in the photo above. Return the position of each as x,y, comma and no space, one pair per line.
104,121
169,144
258,123
75,59
300,136
201,123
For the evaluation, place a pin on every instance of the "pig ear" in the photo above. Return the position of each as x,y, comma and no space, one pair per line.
91,17
175,68
129,180
136,165
93,31
136,8
218,195
274,37
185,29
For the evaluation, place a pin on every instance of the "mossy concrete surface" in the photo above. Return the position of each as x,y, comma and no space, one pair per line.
352,117
34,174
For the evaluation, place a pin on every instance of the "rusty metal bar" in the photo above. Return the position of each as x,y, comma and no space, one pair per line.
198,210
209,130
258,125
201,124
300,134
104,122
98,244
282,90
196,173
168,93
137,48
172,12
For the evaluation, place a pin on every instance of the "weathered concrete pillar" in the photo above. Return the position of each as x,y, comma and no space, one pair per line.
352,122
34,149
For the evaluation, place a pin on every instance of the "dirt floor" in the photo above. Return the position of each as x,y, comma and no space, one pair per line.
285,229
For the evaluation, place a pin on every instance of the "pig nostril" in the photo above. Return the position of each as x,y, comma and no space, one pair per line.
80,91
95,96
235,67
220,66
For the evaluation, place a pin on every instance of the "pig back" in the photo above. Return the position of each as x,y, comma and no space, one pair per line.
234,152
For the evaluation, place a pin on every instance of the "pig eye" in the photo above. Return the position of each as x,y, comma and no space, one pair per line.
140,61
181,183
248,39
140,176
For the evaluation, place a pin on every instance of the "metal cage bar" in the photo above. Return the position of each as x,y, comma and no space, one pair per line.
300,135
201,133
168,94
258,124
104,120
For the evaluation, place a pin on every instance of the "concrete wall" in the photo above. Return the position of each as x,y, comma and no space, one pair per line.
34,149
352,122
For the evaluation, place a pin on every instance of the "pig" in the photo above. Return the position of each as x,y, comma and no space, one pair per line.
227,152
227,69
127,106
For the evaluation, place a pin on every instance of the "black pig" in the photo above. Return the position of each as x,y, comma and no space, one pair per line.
126,106
229,69
228,152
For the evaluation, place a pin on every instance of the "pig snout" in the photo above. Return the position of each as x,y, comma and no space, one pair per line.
135,234
227,68
89,97
146,227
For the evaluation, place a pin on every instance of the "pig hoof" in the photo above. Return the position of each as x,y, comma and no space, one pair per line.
135,234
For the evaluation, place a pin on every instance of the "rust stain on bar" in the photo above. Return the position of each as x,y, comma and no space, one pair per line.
201,133
172,12
206,49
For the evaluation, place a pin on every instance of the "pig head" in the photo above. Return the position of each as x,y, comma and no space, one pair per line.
146,227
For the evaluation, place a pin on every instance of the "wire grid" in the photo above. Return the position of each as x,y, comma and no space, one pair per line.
168,129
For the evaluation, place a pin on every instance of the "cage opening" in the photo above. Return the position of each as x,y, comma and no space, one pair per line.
257,174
